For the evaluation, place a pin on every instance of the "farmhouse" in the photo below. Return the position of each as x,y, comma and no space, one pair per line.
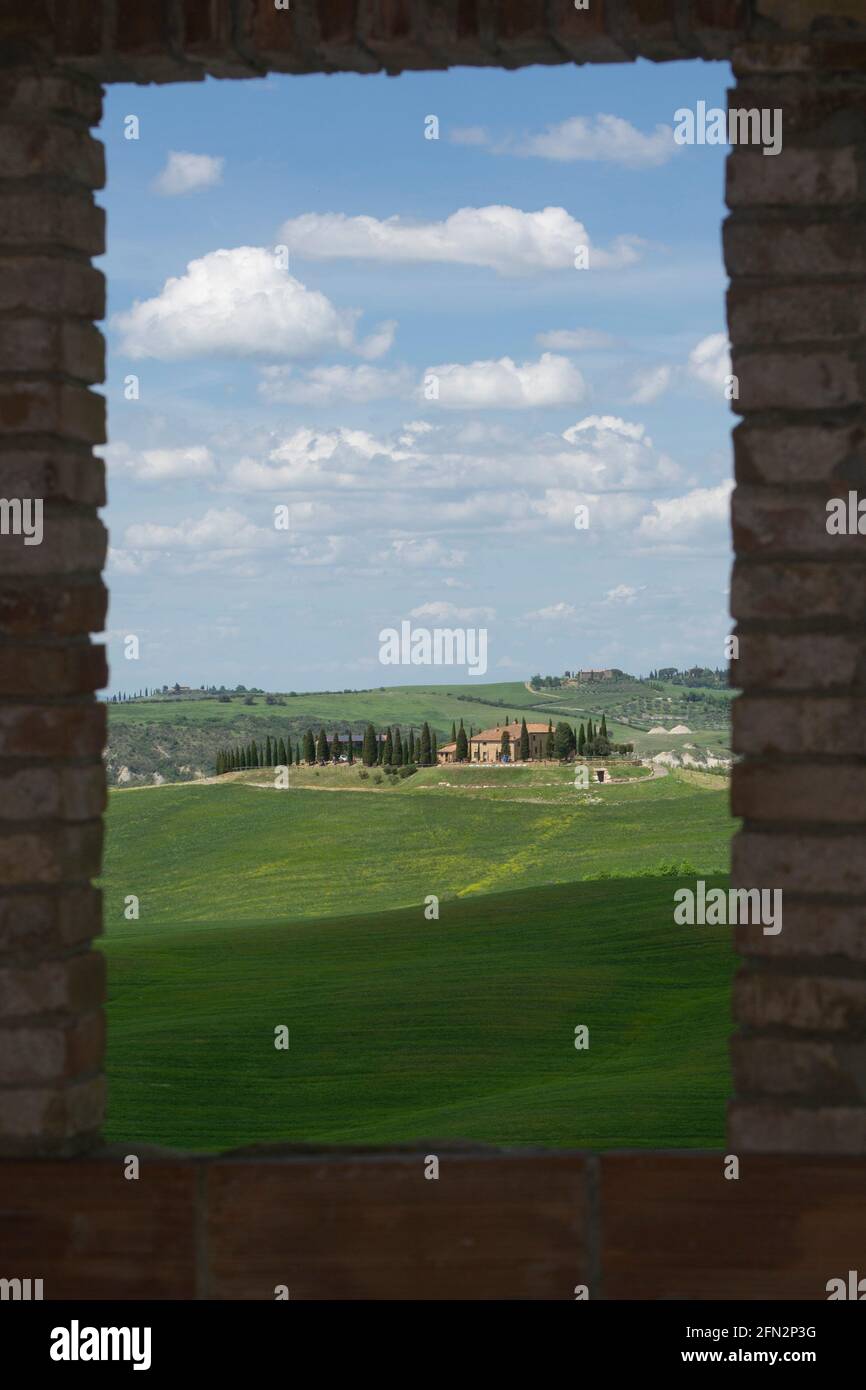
486,746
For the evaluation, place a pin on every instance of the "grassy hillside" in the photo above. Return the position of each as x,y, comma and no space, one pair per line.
177,738
403,1028
234,852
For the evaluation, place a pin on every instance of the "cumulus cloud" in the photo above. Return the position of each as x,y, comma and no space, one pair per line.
648,383
424,552
680,521
185,173
240,302
574,340
710,361
332,385
218,529
554,612
486,385
160,465
502,238
441,612
608,139
624,593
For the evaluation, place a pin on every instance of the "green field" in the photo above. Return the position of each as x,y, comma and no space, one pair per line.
304,908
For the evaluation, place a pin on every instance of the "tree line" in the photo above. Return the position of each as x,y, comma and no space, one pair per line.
393,749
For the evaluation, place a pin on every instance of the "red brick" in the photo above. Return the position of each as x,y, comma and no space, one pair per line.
52,731
776,1067
793,589
47,1121
390,1233
50,856
66,670
72,986
63,793
800,662
673,1227
811,931
72,543
34,1055
91,1233
40,217
813,250
56,473
52,285
781,1128
823,793
50,407
30,150
52,610
808,1003
796,177
775,315
827,454
800,863
69,347
35,924
767,522
765,726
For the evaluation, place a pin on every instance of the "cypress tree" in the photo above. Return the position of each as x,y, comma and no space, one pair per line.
388,755
336,746
350,746
323,752
410,755
581,741
269,757
254,754
524,742
454,731
602,733
505,745
289,751
398,748
426,746
297,753
434,749
461,752
368,747
549,742
309,747
281,752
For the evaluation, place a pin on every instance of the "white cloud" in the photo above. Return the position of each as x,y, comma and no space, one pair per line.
555,612
502,238
710,360
606,138
441,612
505,385
469,135
648,383
332,385
425,552
160,465
184,173
624,593
225,529
240,302
680,521
574,340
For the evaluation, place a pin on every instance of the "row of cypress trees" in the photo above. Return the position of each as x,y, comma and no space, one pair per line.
394,750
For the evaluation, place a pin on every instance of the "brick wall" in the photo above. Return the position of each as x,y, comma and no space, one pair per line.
795,251
796,255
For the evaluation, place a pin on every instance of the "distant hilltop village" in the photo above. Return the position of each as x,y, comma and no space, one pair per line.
611,673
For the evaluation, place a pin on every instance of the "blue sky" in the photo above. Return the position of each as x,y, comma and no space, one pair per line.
413,260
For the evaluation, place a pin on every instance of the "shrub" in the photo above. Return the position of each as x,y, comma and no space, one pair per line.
407,769
378,779
363,774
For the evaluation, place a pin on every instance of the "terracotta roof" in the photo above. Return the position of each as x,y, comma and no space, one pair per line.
495,735
447,748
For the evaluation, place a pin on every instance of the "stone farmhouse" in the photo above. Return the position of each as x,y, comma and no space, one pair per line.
486,747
